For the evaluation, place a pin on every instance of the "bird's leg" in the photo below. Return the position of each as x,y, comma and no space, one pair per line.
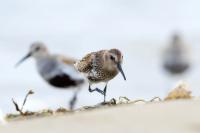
74,99
96,89
105,90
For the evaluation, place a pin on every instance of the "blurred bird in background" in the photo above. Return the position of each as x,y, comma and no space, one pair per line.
176,61
57,70
176,57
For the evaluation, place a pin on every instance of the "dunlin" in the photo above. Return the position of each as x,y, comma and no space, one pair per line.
101,66
176,57
57,70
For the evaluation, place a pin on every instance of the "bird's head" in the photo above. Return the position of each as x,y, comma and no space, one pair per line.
114,60
37,50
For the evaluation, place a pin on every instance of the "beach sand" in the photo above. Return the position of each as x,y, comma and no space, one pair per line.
181,116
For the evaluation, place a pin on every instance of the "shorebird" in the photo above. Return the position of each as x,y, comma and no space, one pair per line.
56,70
101,66
176,58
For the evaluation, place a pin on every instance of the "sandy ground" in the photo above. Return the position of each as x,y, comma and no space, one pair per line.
165,117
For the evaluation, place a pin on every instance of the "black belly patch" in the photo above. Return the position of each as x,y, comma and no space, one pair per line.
64,81
176,68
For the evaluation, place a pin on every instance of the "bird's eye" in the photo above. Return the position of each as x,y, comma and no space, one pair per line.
112,58
37,48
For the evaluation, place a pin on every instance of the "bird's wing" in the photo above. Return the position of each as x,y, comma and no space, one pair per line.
85,64
66,60
66,65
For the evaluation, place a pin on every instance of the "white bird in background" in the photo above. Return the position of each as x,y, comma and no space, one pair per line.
176,61
57,70
176,57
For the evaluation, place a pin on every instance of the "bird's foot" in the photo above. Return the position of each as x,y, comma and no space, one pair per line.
111,102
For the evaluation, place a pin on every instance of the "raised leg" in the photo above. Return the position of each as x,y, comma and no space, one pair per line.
99,91
96,89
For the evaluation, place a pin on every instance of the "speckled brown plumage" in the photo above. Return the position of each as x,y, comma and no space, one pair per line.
93,65
101,66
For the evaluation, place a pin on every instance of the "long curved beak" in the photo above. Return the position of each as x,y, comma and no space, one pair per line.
121,70
23,59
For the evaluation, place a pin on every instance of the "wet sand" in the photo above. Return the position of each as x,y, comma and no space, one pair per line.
162,117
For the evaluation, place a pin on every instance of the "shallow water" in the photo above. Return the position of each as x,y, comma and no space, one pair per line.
139,28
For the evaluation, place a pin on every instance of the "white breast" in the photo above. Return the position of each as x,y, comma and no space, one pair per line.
176,56
49,68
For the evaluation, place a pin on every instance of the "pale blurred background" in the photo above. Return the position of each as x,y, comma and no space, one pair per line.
140,28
